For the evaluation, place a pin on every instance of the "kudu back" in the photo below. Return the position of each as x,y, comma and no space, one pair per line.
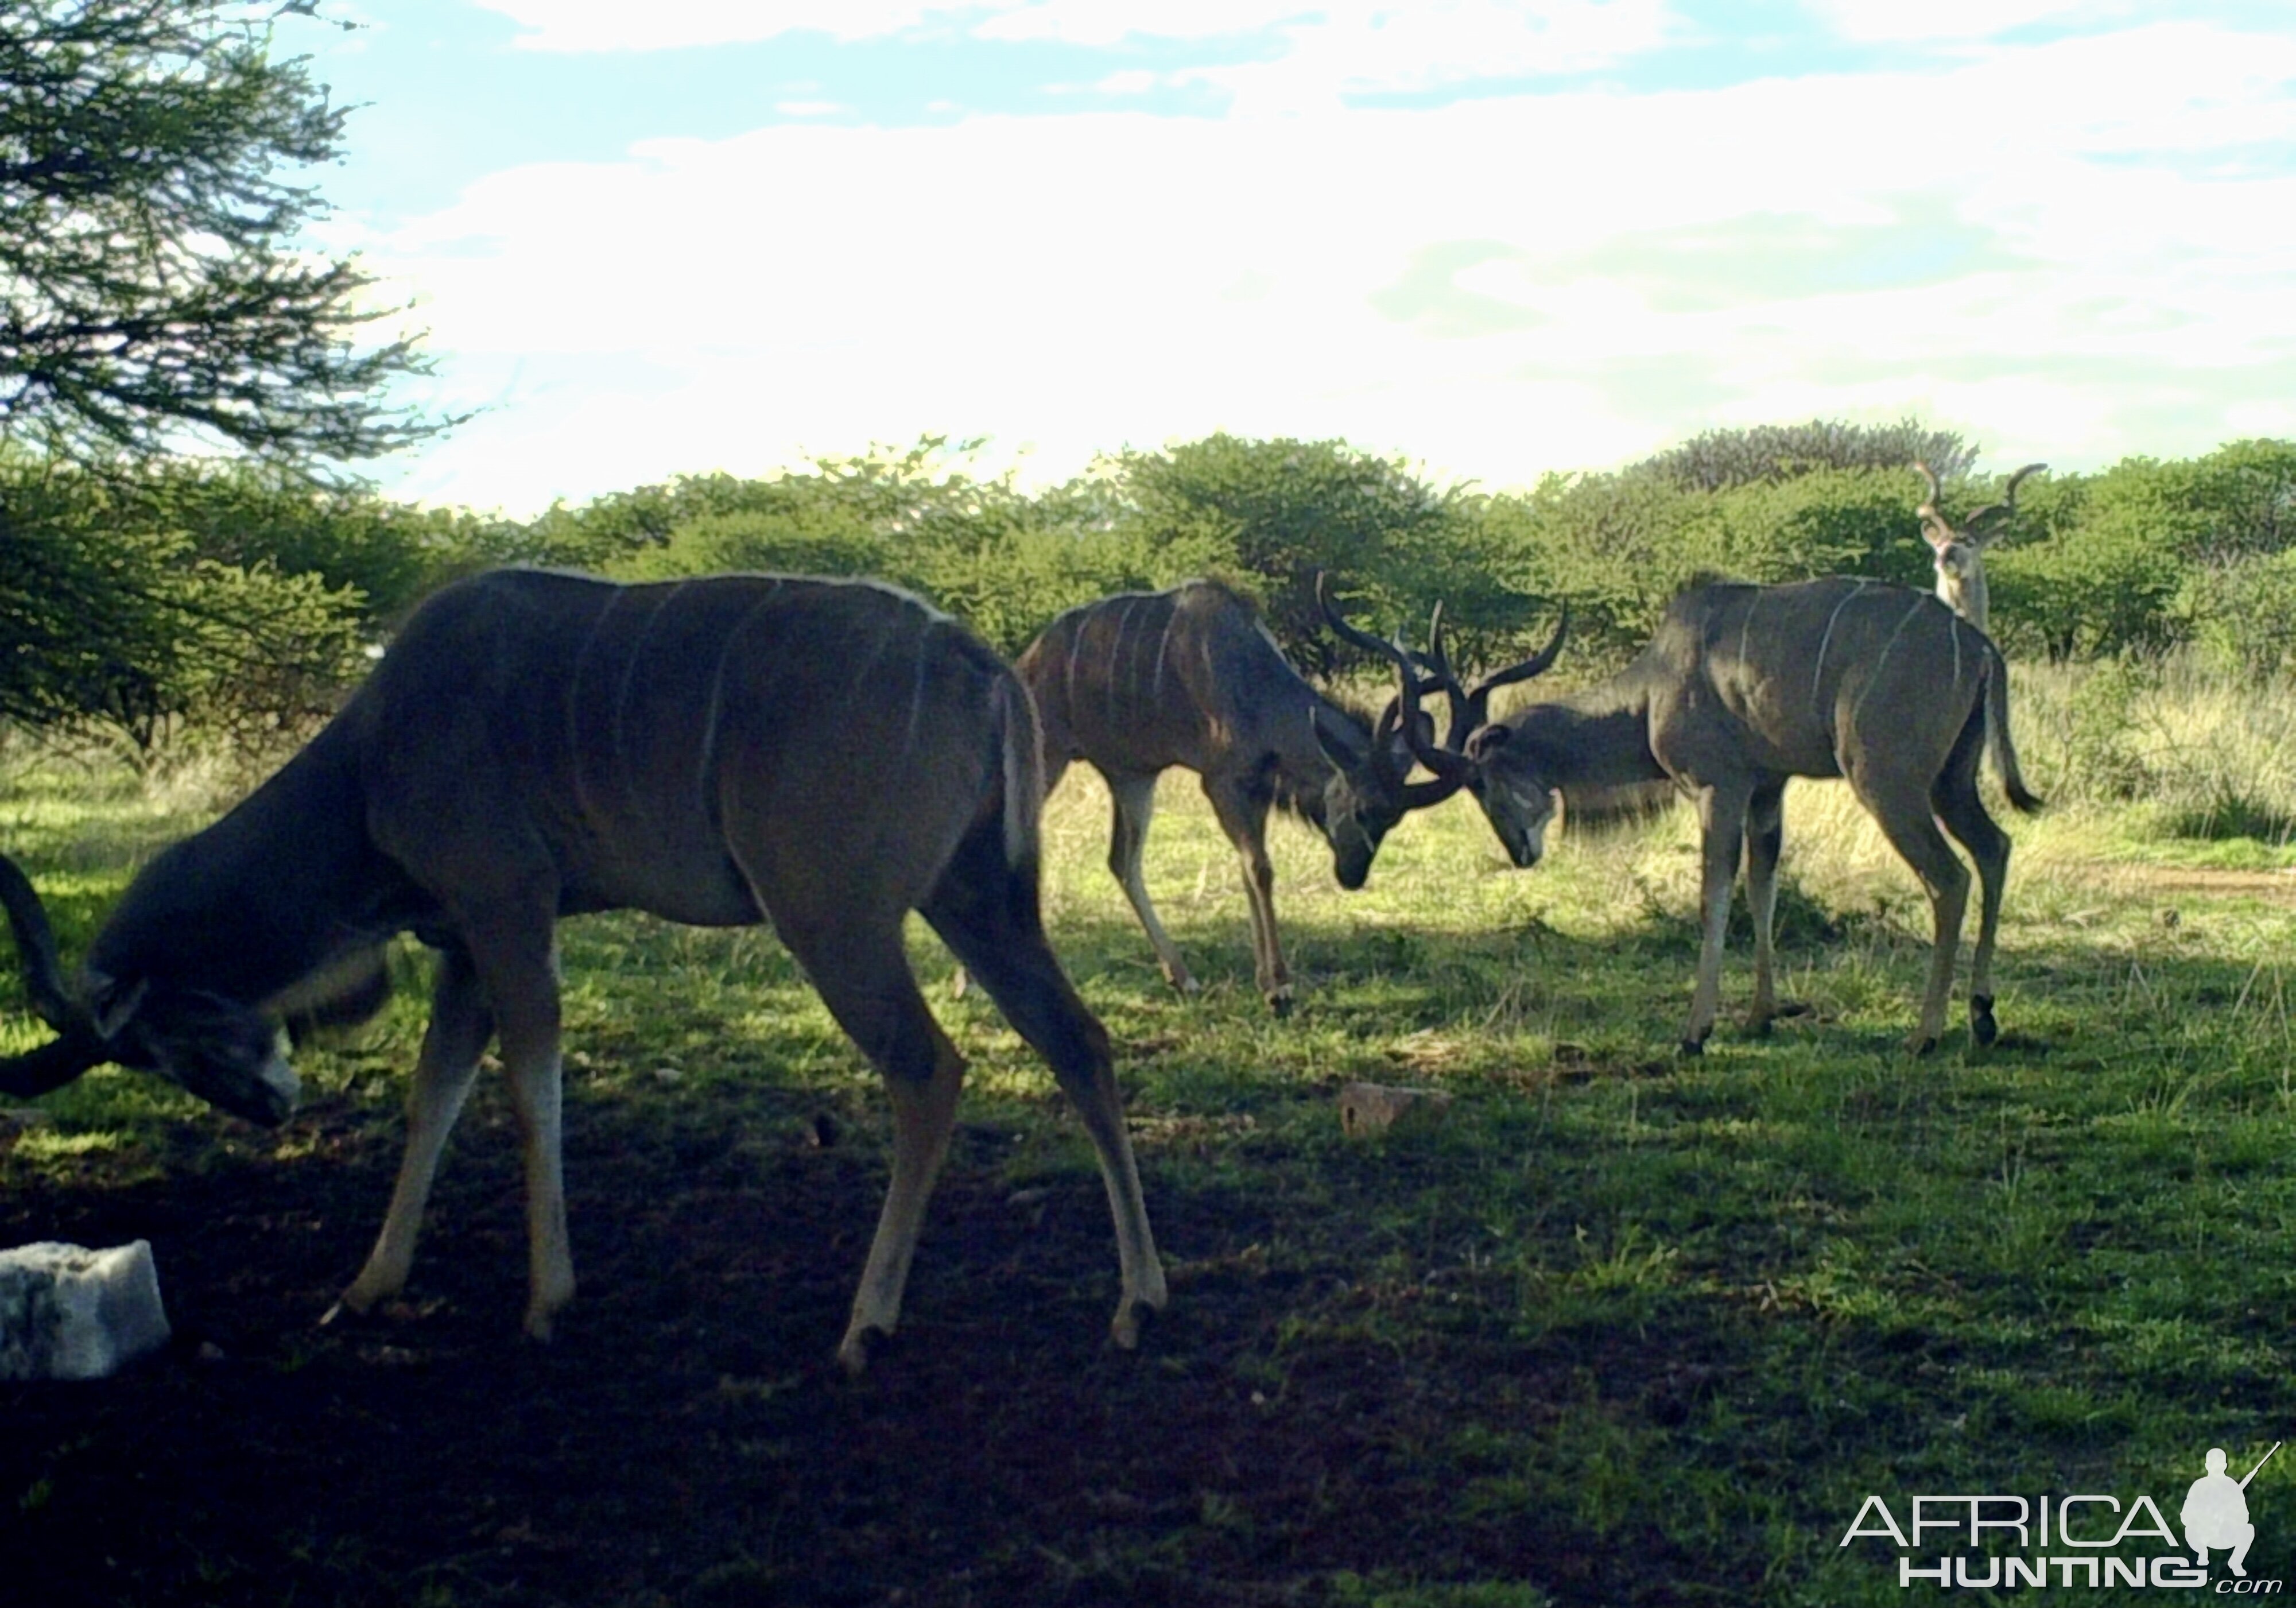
825,756
1140,682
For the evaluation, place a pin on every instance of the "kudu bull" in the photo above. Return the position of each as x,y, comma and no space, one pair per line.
1744,687
1140,682
1959,555
824,755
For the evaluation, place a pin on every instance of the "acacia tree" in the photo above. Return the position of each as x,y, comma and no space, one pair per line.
152,291
156,298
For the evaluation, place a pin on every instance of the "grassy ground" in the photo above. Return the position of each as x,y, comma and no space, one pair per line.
1623,1327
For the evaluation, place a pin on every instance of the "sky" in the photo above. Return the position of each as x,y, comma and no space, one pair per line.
1492,238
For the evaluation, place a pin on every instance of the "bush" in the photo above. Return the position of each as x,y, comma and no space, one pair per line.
2243,614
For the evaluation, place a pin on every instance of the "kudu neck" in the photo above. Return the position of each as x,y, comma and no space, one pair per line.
1594,738
283,884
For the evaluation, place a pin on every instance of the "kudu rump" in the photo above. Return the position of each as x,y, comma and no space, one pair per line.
1138,683
826,756
1745,687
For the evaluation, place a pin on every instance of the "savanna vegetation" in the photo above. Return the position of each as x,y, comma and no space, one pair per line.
1622,1328
193,600
1619,1328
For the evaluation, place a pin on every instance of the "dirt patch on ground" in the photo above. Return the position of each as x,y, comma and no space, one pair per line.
687,1439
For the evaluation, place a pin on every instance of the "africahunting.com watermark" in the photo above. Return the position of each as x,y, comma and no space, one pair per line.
2093,1542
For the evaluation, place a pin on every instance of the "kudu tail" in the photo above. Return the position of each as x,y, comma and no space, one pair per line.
1998,743
1024,770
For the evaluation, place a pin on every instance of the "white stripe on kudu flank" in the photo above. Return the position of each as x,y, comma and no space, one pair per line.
1884,657
1163,645
1817,665
574,702
634,797
1116,659
707,760
918,689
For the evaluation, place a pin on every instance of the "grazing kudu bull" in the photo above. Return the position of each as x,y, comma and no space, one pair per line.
1959,555
824,755
1143,681
1744,687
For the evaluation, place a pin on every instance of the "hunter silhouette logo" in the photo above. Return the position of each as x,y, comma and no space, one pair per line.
2216,1513
2093,1540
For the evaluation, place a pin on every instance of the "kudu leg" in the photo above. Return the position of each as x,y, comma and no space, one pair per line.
460,1026
1964,813
1764,840
1722,825
518,966
999,932
861,970
1903,812
1135,804
1244,818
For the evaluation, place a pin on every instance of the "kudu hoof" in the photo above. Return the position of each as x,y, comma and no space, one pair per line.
855,1353
1279,1000
1982,1029
1691,1046
1132,1320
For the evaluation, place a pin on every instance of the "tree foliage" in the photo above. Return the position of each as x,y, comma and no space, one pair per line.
157,296
247,651
1271,516
241,594
152,287
1715,460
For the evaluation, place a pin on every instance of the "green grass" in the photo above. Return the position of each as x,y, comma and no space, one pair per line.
1690,1312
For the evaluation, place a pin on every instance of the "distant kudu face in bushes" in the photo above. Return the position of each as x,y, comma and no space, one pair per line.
1959,555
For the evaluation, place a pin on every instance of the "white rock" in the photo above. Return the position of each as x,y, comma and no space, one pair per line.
66,1312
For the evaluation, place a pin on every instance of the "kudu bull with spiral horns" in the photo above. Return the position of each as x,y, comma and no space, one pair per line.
825,756
1745,687
1135,683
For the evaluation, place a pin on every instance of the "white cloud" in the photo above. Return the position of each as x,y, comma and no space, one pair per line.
1499,287
585,25
1946,21
1340,43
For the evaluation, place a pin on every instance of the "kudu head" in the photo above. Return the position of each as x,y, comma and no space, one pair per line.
1959,555
219,1049
1370,788
1516,799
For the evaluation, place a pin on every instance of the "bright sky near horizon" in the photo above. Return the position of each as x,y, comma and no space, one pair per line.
1496,237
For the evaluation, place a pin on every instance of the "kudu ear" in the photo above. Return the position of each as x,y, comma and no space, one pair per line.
112,1004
